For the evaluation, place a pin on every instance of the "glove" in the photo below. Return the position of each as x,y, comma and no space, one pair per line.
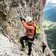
22,19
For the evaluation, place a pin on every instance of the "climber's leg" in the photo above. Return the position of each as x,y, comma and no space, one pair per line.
30,45
43,47
30,48
22,41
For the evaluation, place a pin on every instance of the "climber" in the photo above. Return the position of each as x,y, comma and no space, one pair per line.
43,46
30,27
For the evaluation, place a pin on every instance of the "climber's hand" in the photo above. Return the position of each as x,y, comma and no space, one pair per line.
22,19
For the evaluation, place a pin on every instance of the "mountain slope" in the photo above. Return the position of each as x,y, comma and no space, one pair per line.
50,12
50,30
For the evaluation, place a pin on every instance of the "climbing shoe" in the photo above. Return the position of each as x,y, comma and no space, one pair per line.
28,54
23,49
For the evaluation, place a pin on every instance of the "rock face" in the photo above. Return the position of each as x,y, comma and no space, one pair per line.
10,11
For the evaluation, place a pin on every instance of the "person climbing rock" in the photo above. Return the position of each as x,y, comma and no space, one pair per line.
43,46
29,37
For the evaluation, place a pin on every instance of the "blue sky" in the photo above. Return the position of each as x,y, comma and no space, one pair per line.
51,1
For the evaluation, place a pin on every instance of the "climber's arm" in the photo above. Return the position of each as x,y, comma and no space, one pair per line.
26,26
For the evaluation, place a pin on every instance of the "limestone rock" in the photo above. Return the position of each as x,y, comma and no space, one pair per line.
10,12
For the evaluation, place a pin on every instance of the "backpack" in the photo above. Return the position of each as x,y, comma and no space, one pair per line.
37,29
36,32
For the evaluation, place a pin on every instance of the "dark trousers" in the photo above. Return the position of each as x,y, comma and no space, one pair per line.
43,48
29,43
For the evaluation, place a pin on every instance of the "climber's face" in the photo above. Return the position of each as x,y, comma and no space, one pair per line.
29,23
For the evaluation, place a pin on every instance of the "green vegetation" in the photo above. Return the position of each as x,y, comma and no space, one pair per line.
50,30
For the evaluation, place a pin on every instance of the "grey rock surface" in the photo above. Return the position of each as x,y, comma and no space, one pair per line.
12,29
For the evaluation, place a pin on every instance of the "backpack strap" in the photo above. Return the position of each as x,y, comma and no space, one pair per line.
35,31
